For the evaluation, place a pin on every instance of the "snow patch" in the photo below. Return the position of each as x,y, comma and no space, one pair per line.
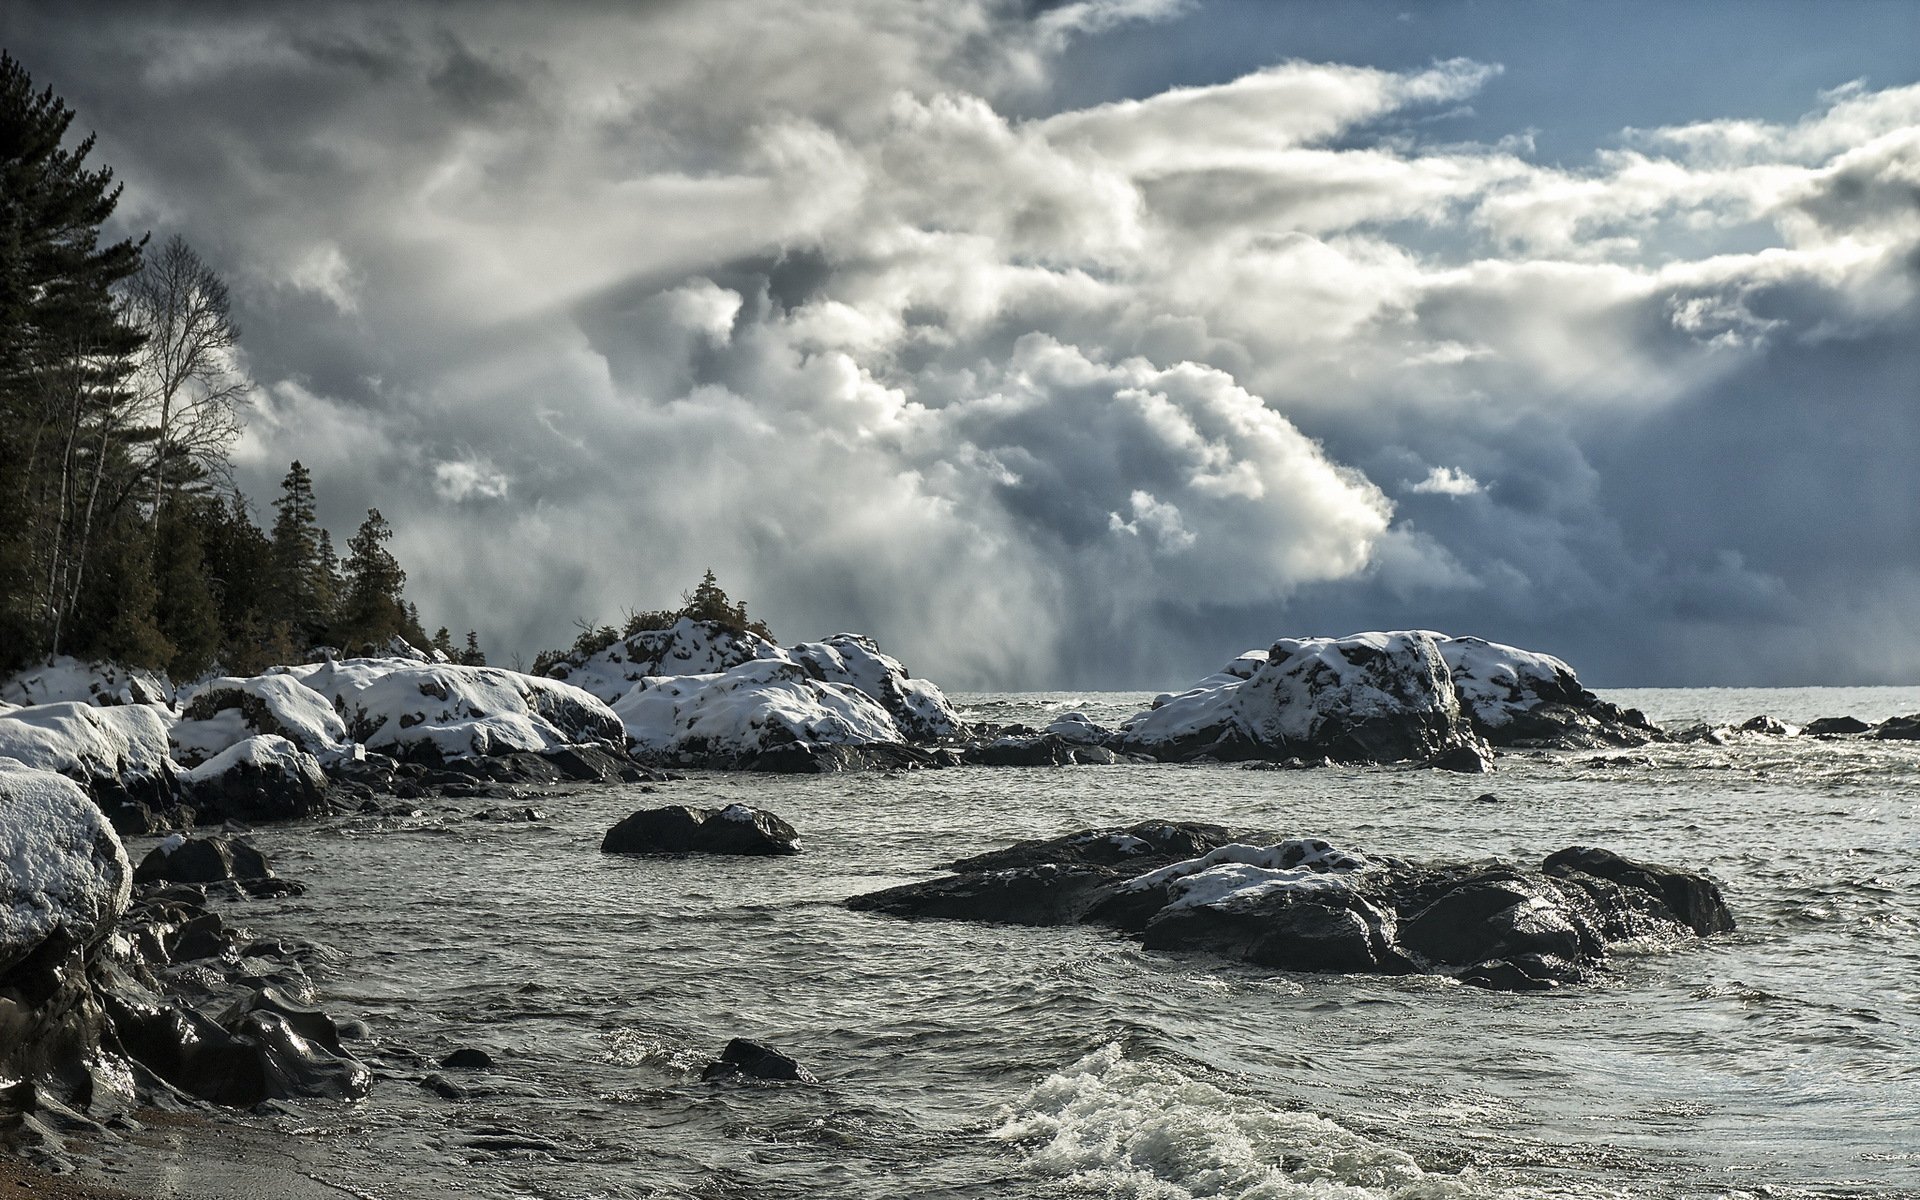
1239,872
68,678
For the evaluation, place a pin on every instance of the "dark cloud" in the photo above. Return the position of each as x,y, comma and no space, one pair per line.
590,298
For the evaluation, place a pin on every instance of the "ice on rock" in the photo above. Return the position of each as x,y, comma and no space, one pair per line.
687,647
62,867
752,707
397,704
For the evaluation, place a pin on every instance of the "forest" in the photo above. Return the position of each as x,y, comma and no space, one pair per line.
122,394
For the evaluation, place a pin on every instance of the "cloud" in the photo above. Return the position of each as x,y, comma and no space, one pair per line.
1447,481
587,303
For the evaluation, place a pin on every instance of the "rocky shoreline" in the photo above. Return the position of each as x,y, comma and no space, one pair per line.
129,988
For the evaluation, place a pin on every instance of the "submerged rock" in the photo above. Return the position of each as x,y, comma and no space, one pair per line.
755,1060
1304,905
683,829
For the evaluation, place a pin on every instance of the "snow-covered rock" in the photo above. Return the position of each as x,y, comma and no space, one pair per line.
916,705
441,710
264,778
755,707
63,870
1522,697
693,648
227,711
1372,697
119,754
69,678
688,647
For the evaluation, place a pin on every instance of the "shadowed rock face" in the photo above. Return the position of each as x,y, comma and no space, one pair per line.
1303,905
95,1022
683,829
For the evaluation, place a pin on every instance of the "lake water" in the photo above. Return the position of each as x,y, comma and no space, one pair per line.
961,1060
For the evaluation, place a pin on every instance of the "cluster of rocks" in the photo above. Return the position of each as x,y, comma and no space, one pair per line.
124,987
1893,729
1303,905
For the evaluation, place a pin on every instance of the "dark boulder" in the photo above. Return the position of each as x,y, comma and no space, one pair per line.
468,1058
1693,899
755,1060
1835,726
683,829
202,860
1904,729
1465,759
1045,894
262,779
1770,726
816,758
1304,905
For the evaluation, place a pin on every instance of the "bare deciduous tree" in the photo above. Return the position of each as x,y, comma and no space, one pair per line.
187,380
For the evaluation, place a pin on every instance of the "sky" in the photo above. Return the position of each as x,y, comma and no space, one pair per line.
1079,344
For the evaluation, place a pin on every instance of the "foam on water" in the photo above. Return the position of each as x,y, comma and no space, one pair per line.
1111,1125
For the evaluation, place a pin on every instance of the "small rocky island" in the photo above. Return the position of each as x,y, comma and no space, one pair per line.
1300,904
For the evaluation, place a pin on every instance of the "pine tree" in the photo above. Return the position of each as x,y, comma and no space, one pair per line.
373,610
186,611
472,656
300,574
65,419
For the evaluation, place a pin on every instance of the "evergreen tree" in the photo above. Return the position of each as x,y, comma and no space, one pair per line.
64,353
472,655
443,642
187,612
301,576
373,610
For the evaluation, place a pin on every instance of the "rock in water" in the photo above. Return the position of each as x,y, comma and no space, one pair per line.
1835,726
756,1060
683,829
202,860
1304,905
1692,898
1372,697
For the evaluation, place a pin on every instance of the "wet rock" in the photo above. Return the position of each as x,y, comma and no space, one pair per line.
468,1058
755,1060
1769,726
1040,750
1905,729
202,860
510,814
1693,899
1466,759
683,829
1835,726
1305,905
818,758
445,1088
589,764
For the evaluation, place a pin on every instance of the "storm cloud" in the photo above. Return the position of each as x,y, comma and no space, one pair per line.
827,297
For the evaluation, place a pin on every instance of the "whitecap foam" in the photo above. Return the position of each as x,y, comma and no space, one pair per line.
1114,1126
